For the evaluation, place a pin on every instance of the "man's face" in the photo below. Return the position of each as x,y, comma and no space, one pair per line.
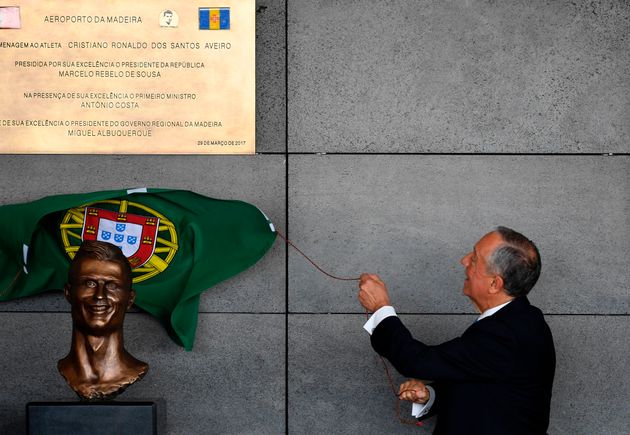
168,17
478,280
100,294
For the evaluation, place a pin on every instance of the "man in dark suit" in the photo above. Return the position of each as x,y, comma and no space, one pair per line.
497,377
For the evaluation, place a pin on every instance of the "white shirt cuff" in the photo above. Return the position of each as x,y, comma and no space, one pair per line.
378,316
418,409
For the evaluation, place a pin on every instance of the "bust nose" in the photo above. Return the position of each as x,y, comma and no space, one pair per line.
99,291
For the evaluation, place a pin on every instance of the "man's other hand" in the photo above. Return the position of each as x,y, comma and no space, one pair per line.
413,391
372,292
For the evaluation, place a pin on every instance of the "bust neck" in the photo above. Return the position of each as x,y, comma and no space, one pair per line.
99,367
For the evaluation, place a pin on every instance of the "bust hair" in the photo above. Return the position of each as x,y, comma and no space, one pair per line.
102,251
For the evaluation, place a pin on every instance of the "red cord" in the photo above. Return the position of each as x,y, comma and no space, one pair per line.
288,242
387,372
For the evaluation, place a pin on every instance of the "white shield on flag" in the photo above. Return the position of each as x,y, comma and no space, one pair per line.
134,234
126,236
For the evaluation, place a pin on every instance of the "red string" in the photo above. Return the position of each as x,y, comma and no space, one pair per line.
387,372
390,380
289,242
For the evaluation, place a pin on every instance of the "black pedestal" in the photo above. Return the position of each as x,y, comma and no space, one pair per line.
94,418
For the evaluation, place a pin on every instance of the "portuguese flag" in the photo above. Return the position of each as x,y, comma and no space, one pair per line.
179,244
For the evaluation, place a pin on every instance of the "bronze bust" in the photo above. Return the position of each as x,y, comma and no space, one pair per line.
99,291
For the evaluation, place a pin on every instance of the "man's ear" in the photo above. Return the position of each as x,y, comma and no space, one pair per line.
132,297
496,285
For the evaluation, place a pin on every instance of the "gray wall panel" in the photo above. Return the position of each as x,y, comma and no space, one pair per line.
217,388
270,76
232,381
592,381
333,368
249,178
474,76
412,218
256,179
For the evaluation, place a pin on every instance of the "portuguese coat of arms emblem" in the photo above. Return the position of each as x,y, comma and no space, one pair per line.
146,237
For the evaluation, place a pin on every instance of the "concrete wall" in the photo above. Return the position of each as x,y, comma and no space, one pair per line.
403,131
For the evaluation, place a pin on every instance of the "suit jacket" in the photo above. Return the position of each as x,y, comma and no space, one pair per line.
494,379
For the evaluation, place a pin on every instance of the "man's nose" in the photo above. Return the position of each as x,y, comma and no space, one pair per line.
465,259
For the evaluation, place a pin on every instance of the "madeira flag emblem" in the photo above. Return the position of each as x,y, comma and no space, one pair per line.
179,244
214,18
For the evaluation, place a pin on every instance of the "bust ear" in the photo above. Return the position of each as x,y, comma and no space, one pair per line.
132,298
66,291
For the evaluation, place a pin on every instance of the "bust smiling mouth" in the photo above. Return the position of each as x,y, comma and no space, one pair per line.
99,309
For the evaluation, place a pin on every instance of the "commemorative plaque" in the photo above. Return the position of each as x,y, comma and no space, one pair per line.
121,77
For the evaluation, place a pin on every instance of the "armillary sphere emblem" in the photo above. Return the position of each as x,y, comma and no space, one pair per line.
146,236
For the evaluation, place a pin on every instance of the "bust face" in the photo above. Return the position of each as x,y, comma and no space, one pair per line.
100,294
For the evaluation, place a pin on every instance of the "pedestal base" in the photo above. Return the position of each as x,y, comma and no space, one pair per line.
94,418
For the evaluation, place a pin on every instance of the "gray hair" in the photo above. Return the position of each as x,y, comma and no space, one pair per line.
517,261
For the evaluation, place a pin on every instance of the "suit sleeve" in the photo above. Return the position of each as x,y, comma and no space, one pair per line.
483,353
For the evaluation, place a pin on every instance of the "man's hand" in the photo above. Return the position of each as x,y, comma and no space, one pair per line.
372,292
414,391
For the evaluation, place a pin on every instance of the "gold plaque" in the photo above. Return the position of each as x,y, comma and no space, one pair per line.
127,77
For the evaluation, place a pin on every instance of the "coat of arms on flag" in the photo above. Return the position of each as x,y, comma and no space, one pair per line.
134,234
137,235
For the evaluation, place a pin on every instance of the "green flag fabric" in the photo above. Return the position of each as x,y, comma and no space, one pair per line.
179,244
